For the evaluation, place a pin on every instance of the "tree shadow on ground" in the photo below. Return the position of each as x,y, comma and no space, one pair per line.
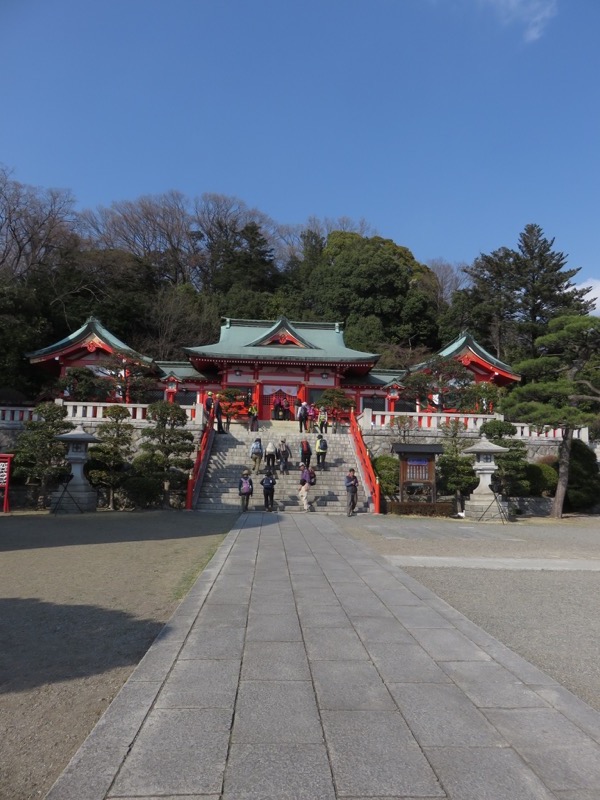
32,531
42,643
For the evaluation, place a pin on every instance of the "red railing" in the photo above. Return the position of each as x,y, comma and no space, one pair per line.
201,460
371,480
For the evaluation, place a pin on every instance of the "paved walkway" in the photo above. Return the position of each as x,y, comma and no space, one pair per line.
302,665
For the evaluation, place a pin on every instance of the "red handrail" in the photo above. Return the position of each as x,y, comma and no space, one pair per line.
201,453
371,480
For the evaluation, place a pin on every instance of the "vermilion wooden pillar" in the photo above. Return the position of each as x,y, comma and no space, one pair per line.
5,460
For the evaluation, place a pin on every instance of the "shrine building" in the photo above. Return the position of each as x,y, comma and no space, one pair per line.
267,361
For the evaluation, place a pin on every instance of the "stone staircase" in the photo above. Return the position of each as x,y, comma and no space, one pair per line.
231,455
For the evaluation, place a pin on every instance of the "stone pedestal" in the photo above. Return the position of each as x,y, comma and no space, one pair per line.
483,507
73,500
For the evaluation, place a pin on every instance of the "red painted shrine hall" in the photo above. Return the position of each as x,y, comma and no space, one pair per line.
267,361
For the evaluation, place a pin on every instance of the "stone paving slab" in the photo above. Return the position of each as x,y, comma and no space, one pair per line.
303,666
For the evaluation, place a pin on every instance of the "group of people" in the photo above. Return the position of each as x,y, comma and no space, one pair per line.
310,418
282,454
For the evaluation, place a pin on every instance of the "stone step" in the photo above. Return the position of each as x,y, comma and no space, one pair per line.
231,455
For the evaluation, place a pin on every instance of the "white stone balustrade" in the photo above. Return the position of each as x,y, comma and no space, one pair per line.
375,421
90,413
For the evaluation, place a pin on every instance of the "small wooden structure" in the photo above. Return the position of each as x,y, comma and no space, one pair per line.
417,471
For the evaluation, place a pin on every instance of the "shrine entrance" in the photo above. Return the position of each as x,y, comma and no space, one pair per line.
272,399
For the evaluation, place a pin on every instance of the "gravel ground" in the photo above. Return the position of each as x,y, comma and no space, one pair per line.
551,618
81,600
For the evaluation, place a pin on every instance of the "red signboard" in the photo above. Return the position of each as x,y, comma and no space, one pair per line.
5,478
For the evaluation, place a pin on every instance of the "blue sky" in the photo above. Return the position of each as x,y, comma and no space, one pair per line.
448,125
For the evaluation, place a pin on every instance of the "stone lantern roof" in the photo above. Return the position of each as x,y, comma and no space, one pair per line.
485,447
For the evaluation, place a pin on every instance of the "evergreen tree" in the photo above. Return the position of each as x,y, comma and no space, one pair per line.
167,446
514,294
109,459
455,471
511,475
39,456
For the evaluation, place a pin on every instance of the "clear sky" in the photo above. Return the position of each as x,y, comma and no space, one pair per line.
448,125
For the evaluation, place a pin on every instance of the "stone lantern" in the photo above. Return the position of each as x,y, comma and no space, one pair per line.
75,495
484,504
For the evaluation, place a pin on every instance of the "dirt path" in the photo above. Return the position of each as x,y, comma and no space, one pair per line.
81,599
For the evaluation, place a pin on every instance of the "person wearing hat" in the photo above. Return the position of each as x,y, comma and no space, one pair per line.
283,456
321,450
304,473
245,489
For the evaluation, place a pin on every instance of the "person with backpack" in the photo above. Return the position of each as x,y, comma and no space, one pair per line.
283,456
245,489
321,450
270,453
304,474
268,484
256,454
305,452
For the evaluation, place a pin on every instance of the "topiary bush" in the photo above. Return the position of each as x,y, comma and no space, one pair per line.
143,492
387,469
542,478
583,489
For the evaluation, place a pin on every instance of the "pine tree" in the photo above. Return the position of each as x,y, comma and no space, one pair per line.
40,457
167,446
109,459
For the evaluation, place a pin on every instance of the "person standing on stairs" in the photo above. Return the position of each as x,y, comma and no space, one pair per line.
270,453
303,495
256,454
321,449
283,456
268,484
245,489
305,452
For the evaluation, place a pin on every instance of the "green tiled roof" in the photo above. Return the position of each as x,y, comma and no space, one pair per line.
182,370
466,341
91,327
247,339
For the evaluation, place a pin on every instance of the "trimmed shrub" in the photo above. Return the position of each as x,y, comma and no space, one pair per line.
143,492
422,509
583,489
542,478
387,469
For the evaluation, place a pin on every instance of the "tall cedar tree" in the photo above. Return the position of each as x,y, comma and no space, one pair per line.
515,293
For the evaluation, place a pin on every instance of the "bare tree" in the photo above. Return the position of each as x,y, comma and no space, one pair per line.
34,224
451,277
